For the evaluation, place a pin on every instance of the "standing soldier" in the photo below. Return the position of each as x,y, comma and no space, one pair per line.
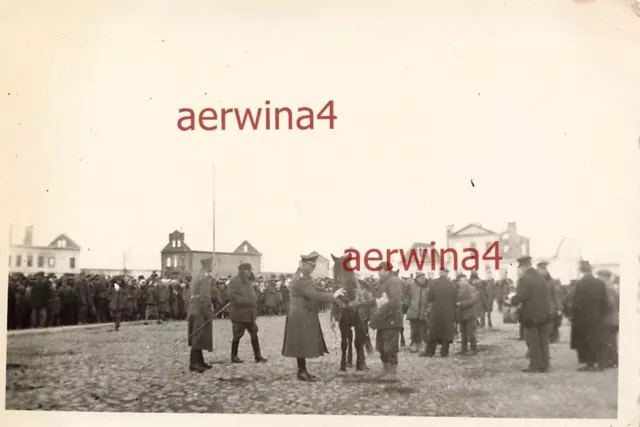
85,299
417,312
442,297
200,315
271,298
101,293
38,299
387,320
284,294
243,312
611,321
117,303
532,293
467,300
54,306
151,303
589,308
303,337
555,302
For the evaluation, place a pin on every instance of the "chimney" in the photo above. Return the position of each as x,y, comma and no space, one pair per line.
28,236
449,230
511,227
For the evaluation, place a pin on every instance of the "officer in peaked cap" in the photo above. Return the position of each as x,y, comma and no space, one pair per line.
533,295
199,317
542,264
303,337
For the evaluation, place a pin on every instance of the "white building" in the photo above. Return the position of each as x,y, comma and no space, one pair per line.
510,244
61,256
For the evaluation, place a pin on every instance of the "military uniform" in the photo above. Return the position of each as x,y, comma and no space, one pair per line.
200,315
243,313
387,320
302,332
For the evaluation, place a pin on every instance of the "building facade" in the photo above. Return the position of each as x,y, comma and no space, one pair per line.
511,246
61,256
178,258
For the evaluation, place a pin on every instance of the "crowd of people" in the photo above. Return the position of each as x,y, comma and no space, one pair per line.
39,300
436,309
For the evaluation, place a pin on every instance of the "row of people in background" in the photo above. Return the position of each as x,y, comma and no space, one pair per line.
41,300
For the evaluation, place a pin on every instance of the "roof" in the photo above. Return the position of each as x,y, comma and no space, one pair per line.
472,229
250,249
226,253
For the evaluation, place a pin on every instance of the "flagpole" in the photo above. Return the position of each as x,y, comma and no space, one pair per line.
213,236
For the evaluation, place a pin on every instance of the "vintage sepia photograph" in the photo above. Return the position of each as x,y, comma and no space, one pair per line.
417,209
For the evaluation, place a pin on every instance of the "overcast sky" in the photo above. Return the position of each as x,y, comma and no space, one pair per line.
535,101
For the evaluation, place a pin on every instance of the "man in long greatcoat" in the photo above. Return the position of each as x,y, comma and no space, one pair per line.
417,312
589,308
200,315
611,320
442,298
532,293
303,337
243,312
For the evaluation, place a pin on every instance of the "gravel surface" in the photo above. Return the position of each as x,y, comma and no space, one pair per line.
145,369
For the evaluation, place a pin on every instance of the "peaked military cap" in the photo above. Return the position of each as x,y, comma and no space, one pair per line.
474,275
524,261
309,258
543,264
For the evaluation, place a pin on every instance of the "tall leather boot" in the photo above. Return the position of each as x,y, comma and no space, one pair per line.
194,362
255,343
234,351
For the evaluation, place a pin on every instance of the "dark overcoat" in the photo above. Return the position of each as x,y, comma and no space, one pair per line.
442,296
118,300
533,294
302,332
243,301
200,313
589,307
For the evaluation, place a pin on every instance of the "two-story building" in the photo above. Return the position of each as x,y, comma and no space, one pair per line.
419,257
59,257
511,246
178,258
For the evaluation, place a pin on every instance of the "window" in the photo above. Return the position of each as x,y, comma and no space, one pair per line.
72,262
181,262
487,245
175,261
29,260
472,245
246,247
9,260
52,262
19,261
173,243
40,261
62,243
168,262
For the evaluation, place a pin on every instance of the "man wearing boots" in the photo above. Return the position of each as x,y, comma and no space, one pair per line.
200,315
467,310
417,312
243,312
387,320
